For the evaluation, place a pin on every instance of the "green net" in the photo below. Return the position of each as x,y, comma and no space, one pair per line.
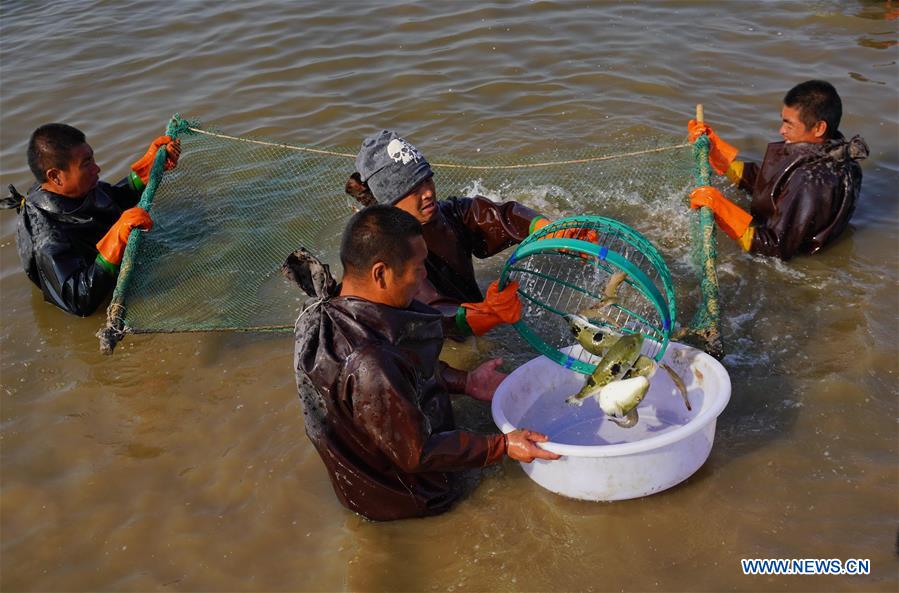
600,270
703,329
232,210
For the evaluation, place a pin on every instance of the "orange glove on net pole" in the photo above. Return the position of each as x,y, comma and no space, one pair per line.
141,167
732,219
721,154
499,306
112,245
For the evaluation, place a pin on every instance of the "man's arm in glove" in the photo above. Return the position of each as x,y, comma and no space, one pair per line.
723,157
140,169
499,306
111,247
79,286
721,154
733,220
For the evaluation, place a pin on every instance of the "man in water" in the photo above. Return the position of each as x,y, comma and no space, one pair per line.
375,397
390,170
805,190
72,228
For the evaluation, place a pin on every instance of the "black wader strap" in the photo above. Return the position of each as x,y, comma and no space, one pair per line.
13,200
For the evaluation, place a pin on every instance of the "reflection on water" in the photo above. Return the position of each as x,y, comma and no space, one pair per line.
859,77
878,43
180,463
877,10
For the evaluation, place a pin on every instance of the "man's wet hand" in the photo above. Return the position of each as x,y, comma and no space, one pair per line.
521,445
482,382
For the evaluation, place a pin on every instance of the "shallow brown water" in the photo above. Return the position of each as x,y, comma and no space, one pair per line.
180,464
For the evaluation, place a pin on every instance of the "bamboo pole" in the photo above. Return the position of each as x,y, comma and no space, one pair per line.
704,329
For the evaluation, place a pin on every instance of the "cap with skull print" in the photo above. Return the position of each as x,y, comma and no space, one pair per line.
391,166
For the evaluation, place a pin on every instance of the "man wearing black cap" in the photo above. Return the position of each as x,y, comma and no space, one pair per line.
390,170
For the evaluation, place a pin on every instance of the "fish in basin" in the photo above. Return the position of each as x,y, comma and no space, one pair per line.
618,384
619,399
621,378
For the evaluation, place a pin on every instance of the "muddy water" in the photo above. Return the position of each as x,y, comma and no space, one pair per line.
180,464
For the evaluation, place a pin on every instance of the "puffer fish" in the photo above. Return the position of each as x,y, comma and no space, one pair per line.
593,338
632,392
620,399
643,366
615,363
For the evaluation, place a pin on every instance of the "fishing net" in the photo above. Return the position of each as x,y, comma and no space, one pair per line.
232,210
704,329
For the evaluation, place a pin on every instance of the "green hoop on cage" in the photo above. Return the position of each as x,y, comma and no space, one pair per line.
650,310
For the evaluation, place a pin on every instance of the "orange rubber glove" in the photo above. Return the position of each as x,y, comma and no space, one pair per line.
112,245
721,154
537,223
580,234
500,306
732,219
141,167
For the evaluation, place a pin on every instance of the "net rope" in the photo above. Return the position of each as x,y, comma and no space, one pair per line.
451,165
232,210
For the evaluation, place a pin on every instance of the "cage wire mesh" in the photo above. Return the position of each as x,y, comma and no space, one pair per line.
563,271
235,207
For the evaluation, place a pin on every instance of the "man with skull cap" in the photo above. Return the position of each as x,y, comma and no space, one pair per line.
390,170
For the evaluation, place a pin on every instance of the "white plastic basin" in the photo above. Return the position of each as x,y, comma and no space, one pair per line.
602,461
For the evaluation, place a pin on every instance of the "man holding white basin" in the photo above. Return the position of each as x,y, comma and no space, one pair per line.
374,394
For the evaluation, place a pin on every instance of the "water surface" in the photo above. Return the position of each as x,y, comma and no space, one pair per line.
181,463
